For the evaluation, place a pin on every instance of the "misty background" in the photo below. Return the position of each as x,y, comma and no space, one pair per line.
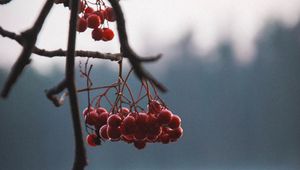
235,116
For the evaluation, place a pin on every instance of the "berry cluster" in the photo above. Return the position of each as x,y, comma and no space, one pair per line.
159,124
115,113
95,19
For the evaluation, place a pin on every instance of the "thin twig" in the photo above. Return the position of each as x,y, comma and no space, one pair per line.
52,93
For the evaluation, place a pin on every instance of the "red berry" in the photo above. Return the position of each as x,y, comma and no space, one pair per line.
124,111
133,114
91,118
100,14
152,138
81,24
154,131
140,134
153,127
141,122
128,126
102,118
141,119
88,10
97,34
92,139
101,110
176,133
103,132
127,138
113,133
165,138
93,21
140,144
110,14
108,34
114,120
175,122
152,121
164,117
86,111
154,107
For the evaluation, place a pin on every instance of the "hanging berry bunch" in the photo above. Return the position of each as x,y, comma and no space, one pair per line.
126,119
97,17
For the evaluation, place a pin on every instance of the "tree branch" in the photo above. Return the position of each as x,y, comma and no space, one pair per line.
52,93
62,53
28,42
80,155
11,35
2,2
78,53
127,51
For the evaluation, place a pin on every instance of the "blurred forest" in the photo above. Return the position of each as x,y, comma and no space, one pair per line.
234,117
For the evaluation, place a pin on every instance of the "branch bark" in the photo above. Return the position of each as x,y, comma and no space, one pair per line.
52,93
2,2
80,155
78,53
62,53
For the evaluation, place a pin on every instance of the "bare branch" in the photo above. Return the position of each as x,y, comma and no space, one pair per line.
150,59
80,155
78,53
63,53
11,35
2,2
127,50
65,2
52,93
30,37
